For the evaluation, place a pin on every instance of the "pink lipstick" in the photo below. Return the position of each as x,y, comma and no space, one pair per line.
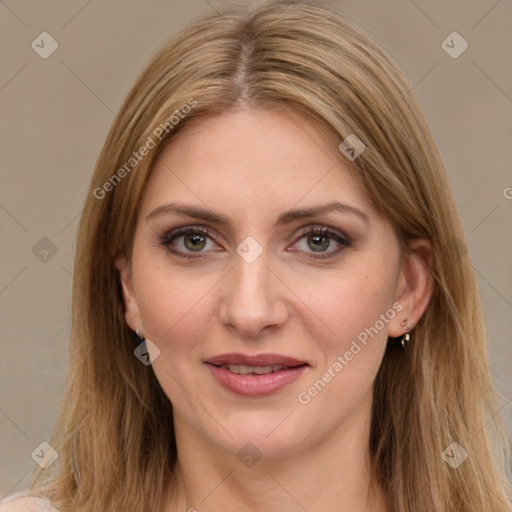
255,375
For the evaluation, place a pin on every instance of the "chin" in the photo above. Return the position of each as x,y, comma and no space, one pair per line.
268,435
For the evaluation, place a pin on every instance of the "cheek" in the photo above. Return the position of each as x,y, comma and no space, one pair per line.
357,313
173,308
357,308
172,303
352,302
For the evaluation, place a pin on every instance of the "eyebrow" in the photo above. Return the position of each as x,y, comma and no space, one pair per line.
284,218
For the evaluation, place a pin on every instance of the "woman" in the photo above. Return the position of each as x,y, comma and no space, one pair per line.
270,215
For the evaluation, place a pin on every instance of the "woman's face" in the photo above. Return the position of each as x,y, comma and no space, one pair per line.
309,297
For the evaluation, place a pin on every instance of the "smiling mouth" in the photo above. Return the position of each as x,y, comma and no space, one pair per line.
255,376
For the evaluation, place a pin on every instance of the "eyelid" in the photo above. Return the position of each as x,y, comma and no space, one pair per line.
322,228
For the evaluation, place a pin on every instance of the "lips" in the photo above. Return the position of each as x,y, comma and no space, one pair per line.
257,375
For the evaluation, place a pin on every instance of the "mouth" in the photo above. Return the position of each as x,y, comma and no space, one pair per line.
254,376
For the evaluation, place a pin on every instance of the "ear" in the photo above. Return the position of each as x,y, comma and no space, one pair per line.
131,308
414,286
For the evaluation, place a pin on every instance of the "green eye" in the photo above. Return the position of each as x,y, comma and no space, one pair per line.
319,240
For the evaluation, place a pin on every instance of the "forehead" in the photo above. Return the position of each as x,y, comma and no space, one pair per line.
257,160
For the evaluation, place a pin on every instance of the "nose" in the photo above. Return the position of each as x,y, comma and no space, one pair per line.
253,298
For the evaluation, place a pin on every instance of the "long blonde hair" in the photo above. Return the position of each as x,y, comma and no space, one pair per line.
115,433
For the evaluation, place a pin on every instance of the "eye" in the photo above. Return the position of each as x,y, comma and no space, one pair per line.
319,239
188,239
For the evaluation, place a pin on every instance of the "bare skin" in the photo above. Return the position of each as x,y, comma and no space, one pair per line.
251,166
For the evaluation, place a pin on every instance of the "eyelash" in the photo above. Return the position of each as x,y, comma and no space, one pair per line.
344,241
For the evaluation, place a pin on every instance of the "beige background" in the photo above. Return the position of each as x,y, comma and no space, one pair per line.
56,113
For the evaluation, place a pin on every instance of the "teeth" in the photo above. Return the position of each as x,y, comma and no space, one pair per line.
247,370
261,370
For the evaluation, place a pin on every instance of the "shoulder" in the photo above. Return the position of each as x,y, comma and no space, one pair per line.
20,502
